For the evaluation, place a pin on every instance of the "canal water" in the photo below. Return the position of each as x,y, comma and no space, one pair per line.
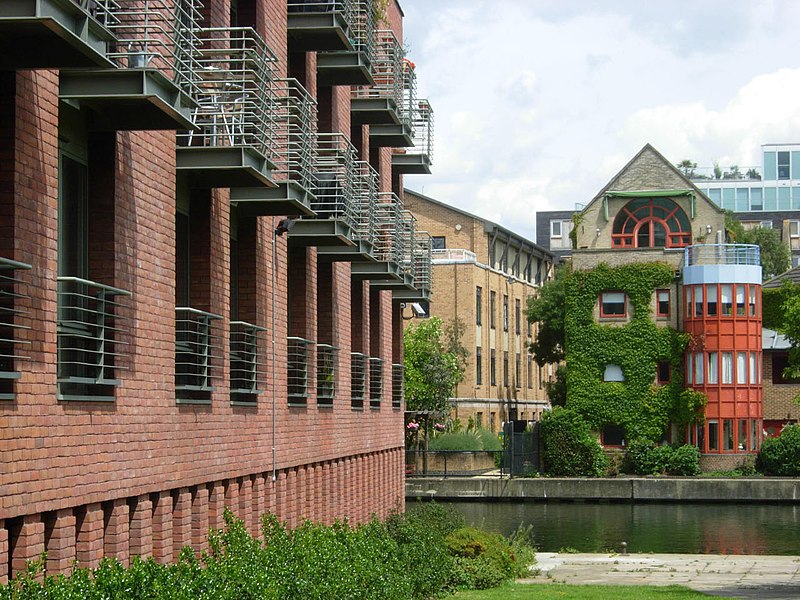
660,528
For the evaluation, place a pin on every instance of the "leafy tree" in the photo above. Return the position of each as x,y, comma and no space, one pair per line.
548,310
432,367
774,253
687,167
453,334
557,389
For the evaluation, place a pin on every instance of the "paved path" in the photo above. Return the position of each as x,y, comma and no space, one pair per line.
762,577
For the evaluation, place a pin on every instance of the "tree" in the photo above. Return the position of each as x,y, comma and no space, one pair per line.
774,253
687,167
548,310
433,364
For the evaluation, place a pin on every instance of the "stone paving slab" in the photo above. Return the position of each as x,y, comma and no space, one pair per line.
761,577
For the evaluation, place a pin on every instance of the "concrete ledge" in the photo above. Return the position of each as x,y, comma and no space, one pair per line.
645,489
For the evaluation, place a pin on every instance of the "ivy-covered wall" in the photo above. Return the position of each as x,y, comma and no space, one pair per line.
638,404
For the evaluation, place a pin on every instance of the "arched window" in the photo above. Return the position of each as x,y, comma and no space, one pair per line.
651,223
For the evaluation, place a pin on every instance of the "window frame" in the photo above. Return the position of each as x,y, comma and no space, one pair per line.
794,224
438,242
659,311
604,314
505,312
478,365
492,303
478,305
553,234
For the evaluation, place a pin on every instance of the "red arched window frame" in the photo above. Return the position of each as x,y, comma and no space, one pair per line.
642,217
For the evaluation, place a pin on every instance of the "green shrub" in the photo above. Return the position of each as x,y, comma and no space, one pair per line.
781,455
464,440
685,460
489,440
569,448
483,559
643,458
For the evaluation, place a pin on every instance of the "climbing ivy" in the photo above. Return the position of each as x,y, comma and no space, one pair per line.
639,405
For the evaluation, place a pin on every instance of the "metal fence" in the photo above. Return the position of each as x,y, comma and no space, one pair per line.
197,352
298,373
247,367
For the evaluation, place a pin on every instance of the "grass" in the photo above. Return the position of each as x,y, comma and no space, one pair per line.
553,591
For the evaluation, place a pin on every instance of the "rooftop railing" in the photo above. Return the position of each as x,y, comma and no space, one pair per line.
389,237
234,79
295,117
335,172
453,255
366,191
722,254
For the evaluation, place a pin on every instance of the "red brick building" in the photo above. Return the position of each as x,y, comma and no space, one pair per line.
203,262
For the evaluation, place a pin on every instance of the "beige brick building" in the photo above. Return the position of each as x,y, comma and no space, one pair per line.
484,274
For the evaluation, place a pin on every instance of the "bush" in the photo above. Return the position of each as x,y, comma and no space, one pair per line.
569,448
685,460
643,458
482,559
472,440
489,440
781,455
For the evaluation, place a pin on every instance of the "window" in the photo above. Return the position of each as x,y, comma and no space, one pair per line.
783,165
492,367
688,293
518,371
612,435
478,305
794,229
517,317
612,304
742,435
505,312
740,301
741,367
662,303
478,366
698,368
663,372
753,367
438,242
726,300
530,372
505,368
555,229
727,367
698,301
651,223
752,299
530,328
713,435
613,373
479,420
492,421
780,361
713,368
492,301
765,224
727,434
711,303
689,368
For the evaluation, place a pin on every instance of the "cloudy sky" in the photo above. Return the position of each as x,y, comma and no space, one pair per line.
538,103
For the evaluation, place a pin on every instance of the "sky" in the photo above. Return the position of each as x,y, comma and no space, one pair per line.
539,103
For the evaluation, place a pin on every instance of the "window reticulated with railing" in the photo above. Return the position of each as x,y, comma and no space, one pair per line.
358,379
13,302
235,81
326,374
295,117
247,366
366,197
375,382
398,381
335,172
91,325
298,369
388,225
197,354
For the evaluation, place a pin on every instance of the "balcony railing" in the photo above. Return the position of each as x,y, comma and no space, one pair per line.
722,254
12,291
366,198
298,351
409,99
91,325
389,237
358,379
197,353
363,30
422,122
335,178
459,255
398,381
295,117
326,374
387,60
234,78
422,261
247,367
408,234
375,382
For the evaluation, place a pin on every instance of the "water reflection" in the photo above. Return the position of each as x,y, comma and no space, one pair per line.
670,528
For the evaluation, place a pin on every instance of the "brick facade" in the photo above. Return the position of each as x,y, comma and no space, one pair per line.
140,473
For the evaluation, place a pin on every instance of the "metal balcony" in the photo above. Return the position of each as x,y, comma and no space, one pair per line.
326,374
389,243
197,352
420,289
247,366
351,66
334,196
13,297
298,373
365,189
152,86
294,116
403,278
381,103
55,34
90,326
318,25
231,143
358,379
398,381
417,160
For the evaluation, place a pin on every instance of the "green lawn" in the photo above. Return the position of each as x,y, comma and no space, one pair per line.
553,591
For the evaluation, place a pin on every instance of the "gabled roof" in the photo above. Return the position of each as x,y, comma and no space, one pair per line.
772,340
792,276
677,185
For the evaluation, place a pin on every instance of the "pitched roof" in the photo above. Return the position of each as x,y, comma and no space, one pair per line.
792,275
772,340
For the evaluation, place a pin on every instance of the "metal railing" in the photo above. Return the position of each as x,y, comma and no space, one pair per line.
408,234
375,382
422,261
722,254
197,350
89,330
453,255
366,197
247,367
12,291
388,228
103,11
346,8
295,117
234,78
326,373
422,123
398,382
335,178
362,29
160,34
387,71
298,373
409,103
358,379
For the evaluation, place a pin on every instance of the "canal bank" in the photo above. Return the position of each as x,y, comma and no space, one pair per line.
618,489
